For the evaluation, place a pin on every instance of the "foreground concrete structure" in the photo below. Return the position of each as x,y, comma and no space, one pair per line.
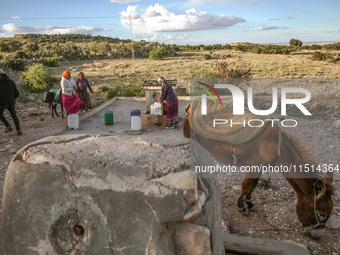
108,195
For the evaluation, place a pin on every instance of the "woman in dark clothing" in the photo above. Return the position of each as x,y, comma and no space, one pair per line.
82,85
8,94
168,94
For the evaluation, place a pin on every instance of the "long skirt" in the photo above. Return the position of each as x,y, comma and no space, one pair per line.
72,104
85,99
172,113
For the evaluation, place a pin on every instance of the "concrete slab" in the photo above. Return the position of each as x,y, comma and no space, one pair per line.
121,108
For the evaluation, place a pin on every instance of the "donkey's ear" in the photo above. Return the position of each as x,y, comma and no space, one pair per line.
187,108
319,189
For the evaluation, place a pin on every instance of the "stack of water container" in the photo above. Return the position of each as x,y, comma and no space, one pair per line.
136,120
73,121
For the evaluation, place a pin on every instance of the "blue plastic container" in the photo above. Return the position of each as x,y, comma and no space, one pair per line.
134,113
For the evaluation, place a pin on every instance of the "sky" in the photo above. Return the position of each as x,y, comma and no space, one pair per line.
178,22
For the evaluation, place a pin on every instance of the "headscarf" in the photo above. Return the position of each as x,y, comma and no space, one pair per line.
161,79
66,73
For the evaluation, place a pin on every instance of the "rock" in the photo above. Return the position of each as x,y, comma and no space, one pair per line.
337,124
333,222
181,180
225,227
60,201
250,245
161,142
192,239
198,207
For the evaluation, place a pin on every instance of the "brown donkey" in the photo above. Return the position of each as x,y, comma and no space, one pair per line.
53,105
314,202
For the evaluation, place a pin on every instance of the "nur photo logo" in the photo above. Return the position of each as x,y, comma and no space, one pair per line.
238,102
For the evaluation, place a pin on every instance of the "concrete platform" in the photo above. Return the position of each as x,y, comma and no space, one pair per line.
121,107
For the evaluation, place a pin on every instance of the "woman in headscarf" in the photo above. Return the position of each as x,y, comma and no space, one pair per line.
168,94
71,101
82,85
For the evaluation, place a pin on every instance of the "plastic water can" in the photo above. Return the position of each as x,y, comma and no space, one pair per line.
73,121
158,108
152,109
136,123
108,116
134,113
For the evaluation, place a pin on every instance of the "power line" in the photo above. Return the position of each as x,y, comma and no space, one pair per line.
112,17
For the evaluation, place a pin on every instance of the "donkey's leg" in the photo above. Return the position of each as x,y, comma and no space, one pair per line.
62,108
248,185
55,109
52,108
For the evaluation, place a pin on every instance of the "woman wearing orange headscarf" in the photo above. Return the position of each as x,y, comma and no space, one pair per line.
71,101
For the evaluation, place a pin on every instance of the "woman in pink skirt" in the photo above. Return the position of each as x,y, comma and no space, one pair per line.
71,101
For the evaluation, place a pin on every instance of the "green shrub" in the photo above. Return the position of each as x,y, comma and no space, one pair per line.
266,183
295,42
124,91
31,47
20,54
207,56
241,47
315,47
14,64
236,68
103,88
158,53
51,62
319,56
36,79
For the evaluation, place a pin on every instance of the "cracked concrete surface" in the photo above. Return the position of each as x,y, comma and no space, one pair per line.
94,194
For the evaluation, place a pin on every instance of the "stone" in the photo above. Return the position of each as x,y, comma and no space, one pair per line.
249,245
192,239
333,222
181,180
58,200
337,124
161,142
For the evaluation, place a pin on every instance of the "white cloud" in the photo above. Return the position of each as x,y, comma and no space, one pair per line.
15,17
11,28
210,2
157,19
123,1
264,27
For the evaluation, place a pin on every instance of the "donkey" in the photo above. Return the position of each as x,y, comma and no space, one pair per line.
53,105
314,202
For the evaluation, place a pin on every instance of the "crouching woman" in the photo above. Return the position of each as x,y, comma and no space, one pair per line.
71,101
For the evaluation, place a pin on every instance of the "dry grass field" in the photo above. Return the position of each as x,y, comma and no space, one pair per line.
186,65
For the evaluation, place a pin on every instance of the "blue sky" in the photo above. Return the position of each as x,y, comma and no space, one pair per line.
180,21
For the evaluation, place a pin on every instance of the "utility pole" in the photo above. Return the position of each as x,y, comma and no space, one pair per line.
132,48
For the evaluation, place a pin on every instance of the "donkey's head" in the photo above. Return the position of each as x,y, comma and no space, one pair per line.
315,208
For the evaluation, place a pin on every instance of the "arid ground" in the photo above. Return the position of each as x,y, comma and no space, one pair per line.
277,202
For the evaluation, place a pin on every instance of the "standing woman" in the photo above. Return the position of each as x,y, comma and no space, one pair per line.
71,101
82,85
168,94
